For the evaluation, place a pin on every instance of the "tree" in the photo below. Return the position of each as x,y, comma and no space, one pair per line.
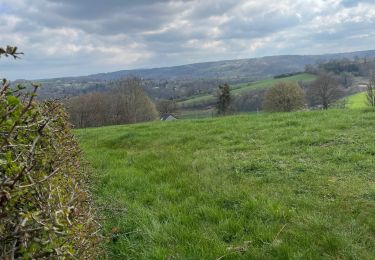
125,103
324,90
132,104
284,97
224,100
346,79
370,94
167,106
89,110
249,101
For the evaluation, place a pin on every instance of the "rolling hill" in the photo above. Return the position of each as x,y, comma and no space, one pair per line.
233,70
162,83
238,89
287,186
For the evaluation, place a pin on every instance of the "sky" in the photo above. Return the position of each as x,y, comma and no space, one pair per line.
82,37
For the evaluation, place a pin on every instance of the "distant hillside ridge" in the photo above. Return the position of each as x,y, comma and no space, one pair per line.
233,69
189,80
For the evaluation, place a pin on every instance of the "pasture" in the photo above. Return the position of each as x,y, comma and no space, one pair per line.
285,185
246,87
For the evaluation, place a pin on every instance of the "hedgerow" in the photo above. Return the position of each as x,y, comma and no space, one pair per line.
45,211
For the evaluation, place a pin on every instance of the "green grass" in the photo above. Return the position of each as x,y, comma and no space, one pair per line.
357,100
293,185
246,87
197,114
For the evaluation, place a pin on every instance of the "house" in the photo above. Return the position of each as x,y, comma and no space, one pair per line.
167,117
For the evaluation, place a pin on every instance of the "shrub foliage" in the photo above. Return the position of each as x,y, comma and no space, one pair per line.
224,100
44,209
284,97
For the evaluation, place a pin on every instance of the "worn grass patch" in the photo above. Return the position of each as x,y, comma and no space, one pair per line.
293,185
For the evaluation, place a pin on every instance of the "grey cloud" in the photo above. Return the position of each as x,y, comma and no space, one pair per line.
206,9
94,9
73,37
258,25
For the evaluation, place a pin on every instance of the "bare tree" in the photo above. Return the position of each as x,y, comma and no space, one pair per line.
324,91
284,97
370,94
132,102
346,79
126,102
249,101
167,106
89,110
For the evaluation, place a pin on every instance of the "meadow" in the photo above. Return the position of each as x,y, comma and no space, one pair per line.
246,87
284,185
357,100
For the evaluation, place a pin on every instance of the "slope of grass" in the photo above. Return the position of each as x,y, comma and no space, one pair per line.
357,100
293,185
242,88
197,114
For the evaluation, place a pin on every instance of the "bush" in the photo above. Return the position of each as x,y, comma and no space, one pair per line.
44,209
224,100
284,97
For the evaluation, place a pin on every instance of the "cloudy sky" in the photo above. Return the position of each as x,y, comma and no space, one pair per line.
80,37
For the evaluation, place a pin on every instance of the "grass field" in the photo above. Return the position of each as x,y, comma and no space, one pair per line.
294,185
196,114
242,88
357,101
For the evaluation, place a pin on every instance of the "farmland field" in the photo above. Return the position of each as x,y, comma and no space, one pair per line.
357,100
294,185
246,87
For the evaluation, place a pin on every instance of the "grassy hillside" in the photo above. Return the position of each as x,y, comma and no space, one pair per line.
357,101
293,185
241,88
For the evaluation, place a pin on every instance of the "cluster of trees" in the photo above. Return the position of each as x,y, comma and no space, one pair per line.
126,102
248,102
284,96
178,88
45,212
285,75
320,93
341,71
345,69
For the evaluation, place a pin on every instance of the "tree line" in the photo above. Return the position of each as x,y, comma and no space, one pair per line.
345,70
285,96
126,102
